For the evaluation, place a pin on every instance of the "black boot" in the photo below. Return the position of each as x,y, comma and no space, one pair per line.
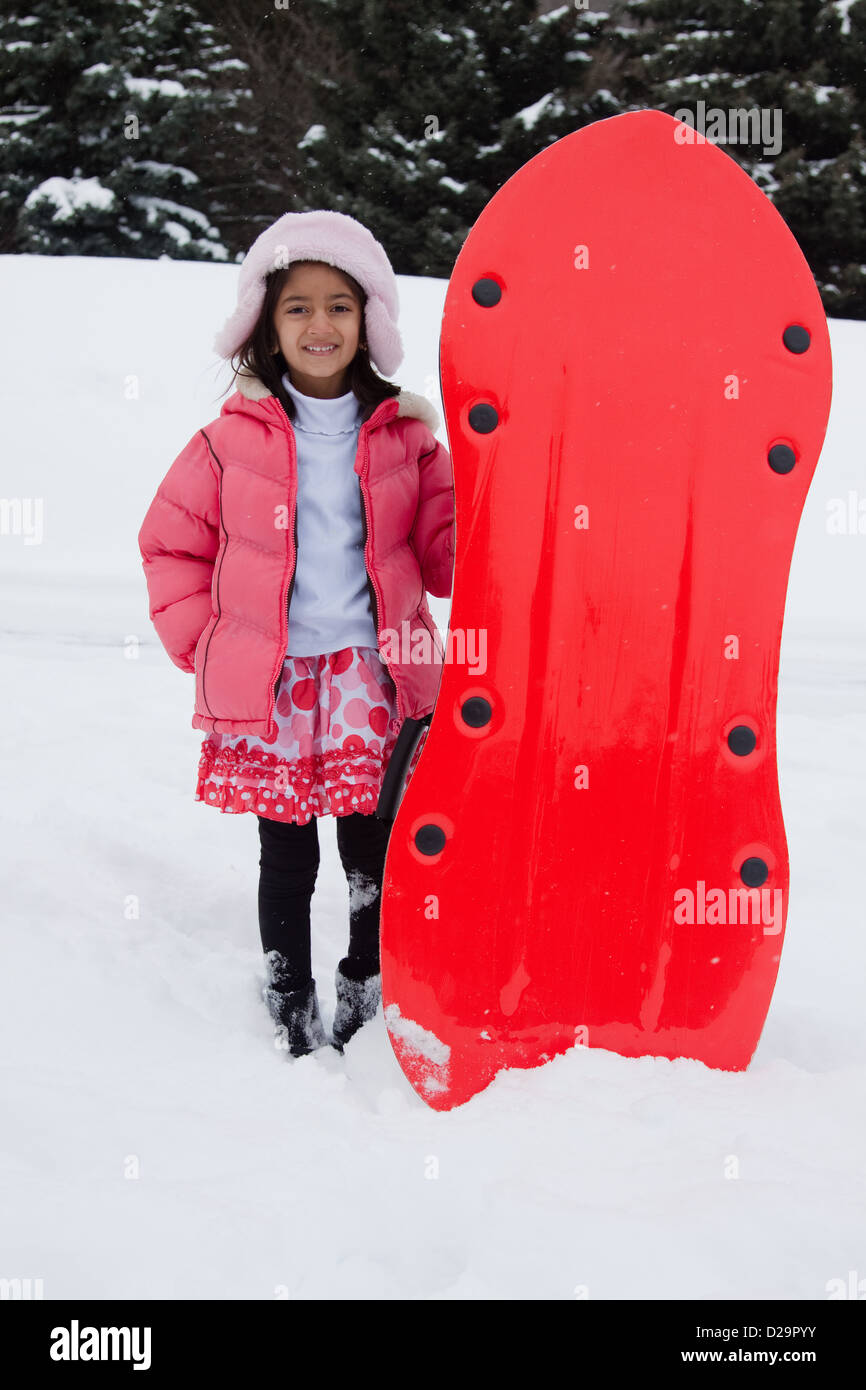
296,1013
357,1002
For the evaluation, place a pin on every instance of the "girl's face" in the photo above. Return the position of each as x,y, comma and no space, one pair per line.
317,323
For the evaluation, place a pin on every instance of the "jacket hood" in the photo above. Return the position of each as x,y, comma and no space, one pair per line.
252,388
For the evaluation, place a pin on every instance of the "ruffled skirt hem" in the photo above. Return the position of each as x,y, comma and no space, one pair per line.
320,785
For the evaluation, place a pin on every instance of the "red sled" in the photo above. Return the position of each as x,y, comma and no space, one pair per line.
589,849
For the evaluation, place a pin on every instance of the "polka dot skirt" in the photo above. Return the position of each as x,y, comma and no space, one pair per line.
336,718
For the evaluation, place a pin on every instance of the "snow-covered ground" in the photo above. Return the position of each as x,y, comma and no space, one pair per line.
154,1143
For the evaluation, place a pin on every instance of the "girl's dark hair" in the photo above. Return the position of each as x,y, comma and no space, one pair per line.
255,356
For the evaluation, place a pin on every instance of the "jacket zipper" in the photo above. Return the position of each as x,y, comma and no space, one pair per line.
373,592
275,684
279,675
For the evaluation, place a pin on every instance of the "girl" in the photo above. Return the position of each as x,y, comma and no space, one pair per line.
288,539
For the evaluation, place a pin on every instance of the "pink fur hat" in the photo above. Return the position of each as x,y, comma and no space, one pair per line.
339,240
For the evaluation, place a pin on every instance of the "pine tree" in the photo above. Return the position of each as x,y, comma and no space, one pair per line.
796,62
103,108
435,106
248,161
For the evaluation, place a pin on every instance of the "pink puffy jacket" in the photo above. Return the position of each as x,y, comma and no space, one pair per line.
219,558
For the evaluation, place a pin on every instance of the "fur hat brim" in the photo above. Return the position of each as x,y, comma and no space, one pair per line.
337,240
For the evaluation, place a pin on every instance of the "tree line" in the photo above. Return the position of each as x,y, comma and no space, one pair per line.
182,130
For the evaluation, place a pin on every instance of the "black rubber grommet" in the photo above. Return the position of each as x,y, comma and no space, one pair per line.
742,740
476,712
486,293
796,338
781,458
430,839
753,872
483,418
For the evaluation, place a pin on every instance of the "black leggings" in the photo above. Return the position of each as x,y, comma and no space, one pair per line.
289,863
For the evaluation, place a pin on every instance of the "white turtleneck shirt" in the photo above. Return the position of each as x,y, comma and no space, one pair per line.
330,604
